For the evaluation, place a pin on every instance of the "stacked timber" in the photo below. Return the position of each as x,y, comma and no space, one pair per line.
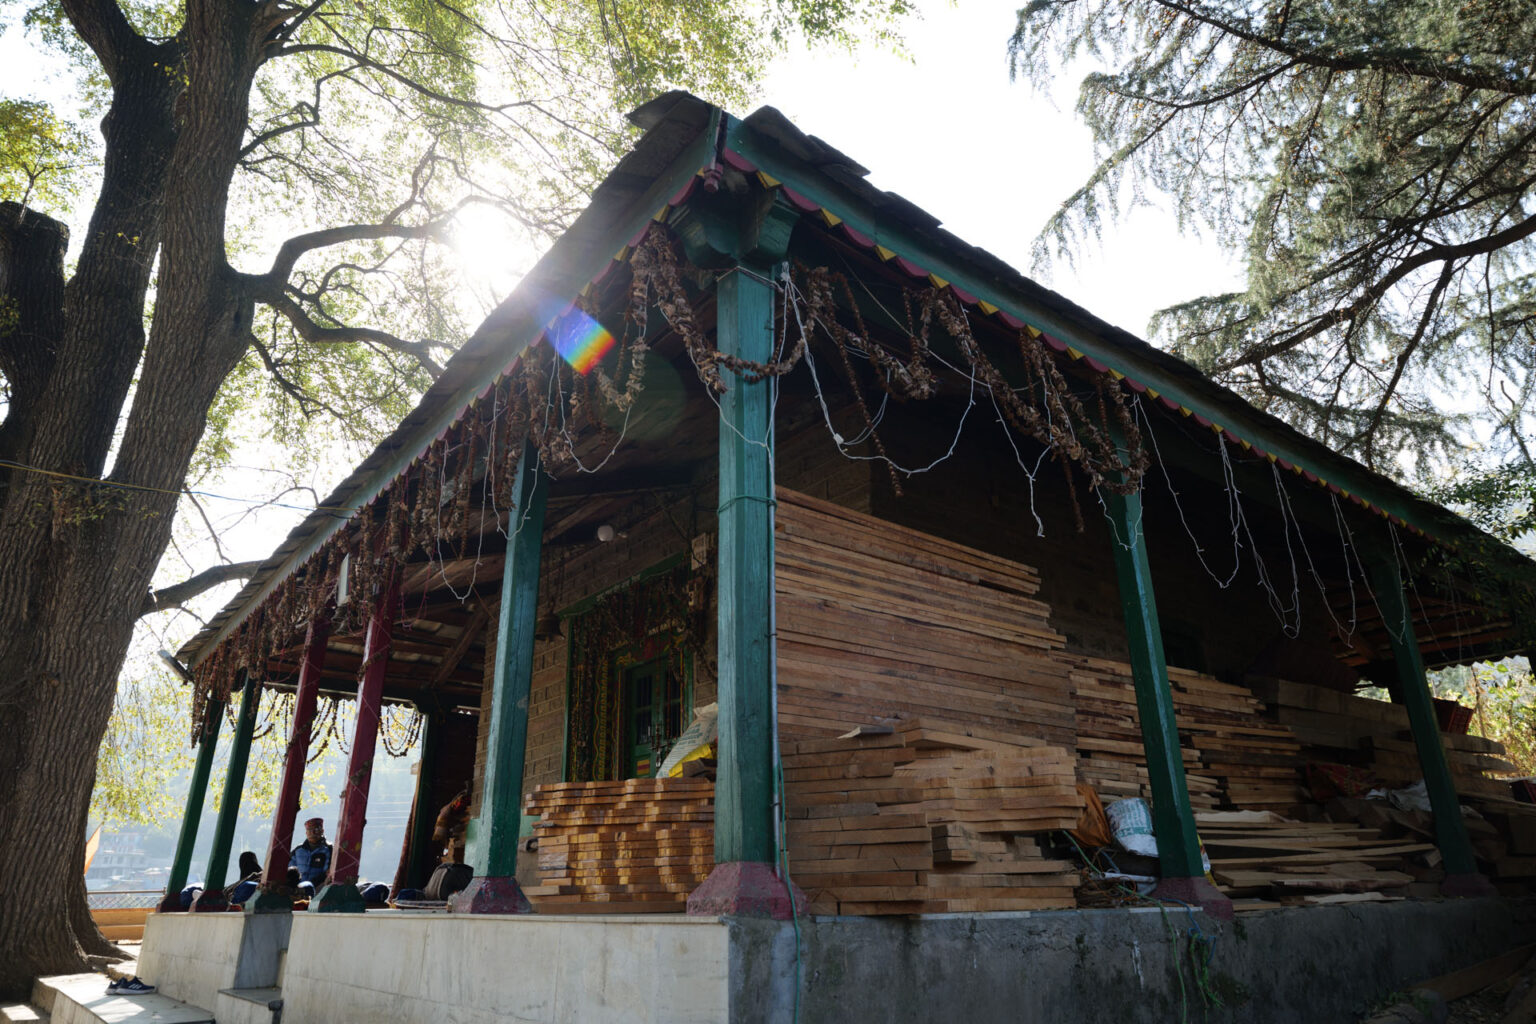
927,819
1375,735
1261,859
637,846
1233,756
876,620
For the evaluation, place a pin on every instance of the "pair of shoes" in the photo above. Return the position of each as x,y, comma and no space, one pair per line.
129,987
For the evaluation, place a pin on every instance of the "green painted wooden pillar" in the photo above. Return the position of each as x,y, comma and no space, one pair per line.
744,779
418,865
1413,686
213,897
1173,819
197,789
494,889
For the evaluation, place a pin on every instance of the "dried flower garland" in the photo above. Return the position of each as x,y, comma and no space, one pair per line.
463,478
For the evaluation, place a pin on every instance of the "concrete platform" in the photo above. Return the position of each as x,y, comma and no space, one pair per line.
1321,965
83,999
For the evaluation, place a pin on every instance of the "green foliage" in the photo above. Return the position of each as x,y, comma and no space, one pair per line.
42,158
404,115
1371,164
1503,698
1500,499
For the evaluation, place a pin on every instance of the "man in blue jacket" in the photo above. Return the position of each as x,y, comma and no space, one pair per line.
312,858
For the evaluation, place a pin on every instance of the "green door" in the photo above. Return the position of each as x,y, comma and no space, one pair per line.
653,699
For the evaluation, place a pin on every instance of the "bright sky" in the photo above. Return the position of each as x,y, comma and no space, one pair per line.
944,127
993,159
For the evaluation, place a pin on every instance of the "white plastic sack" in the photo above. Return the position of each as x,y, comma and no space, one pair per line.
701,732
1131,822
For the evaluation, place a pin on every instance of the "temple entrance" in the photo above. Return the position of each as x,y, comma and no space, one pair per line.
653,712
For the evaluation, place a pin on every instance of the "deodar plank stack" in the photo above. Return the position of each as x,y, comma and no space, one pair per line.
1233,756
925,819
622,847
875,619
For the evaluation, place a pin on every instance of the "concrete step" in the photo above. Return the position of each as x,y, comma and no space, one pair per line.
282,965
21,1013
83,999
247,1005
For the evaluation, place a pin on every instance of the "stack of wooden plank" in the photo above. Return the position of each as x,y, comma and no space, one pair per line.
927,819
1336,726
1232,755
1261,856
878,620
636,846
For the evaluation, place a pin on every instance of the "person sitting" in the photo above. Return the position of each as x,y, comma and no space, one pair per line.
247,883
312,857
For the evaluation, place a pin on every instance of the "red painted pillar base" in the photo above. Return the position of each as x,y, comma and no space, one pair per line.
490,896
1198,893
171,904
1467,887
338,898
210,900
748,889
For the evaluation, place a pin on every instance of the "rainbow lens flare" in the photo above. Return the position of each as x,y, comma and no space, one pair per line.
580,340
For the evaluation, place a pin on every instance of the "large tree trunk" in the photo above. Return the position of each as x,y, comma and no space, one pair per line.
77,561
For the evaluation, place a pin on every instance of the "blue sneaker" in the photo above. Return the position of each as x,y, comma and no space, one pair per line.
130,987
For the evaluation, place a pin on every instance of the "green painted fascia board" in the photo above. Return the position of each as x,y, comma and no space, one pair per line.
1243,421
579,268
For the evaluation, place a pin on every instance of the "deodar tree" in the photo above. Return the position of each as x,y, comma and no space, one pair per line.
357,130
1373,166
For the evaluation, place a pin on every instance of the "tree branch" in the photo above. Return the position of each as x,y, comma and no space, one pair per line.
1435,253
291,251
178,594
105,29
1415,64
313,332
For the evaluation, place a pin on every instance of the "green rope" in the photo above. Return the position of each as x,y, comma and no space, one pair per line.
1200,948
789,885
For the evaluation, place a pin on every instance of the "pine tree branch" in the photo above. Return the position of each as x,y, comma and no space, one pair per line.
1418,64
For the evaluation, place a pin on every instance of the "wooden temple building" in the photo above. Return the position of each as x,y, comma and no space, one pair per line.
945,552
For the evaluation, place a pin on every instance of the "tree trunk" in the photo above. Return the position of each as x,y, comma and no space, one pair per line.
76,561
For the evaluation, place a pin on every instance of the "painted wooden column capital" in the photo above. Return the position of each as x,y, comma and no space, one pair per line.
1461,874
197,790
494,889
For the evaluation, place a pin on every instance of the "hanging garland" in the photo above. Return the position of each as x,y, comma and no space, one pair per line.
657,616
399,728
430,508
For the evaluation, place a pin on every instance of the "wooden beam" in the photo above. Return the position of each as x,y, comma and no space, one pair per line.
471,632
